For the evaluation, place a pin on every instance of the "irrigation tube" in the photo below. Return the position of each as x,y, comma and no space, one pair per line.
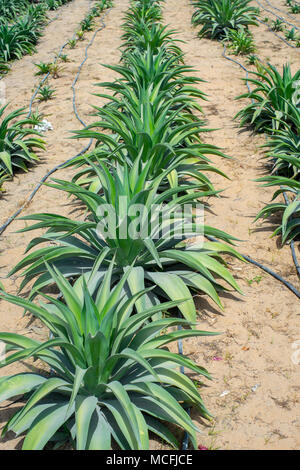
277,16
266,269
275,34
82,64
61,165
282,11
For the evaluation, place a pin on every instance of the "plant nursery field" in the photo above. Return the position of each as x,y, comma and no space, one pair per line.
147,335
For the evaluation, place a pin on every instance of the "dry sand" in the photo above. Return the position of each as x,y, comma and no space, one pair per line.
258,328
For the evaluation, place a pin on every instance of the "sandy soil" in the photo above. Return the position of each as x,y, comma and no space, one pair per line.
258,328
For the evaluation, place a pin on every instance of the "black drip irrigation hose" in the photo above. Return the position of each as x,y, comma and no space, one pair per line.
82,64
238,63
61,165
266,269
275,34
282,11
292,245
275,14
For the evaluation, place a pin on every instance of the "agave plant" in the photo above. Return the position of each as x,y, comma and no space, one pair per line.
18,143
291,35
290,213
143,12
141,37
156,247
252,59
53,4
272,100
277,25
284,143
112,376
14,43
29,28
218,16
104,4
87,24
3,177
295,8
80,35
240,41
142,120
72,43
46,93
10,9
43,68
4,68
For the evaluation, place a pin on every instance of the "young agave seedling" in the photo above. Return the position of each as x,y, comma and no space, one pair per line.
36,117
64,58
291,35
277,25
55,70
46,93
252,59
87,24
295,8
104,4
80,35
72,43
43,68
240,41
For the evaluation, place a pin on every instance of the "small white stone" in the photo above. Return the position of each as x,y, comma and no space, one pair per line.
255,387
44,126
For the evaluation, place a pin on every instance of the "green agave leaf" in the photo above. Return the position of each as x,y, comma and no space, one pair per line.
84,409
45,426
175,288
19,384
99,436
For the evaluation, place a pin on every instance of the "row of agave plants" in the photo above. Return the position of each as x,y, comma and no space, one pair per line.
109,377
274,110
20,141
21,24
